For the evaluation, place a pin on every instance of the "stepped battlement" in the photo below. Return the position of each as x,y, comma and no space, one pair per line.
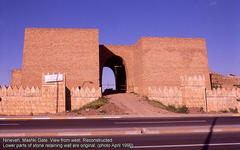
21,91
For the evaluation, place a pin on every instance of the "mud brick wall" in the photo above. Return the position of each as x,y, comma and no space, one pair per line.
16,77
162,61
138,68
152,61
72,51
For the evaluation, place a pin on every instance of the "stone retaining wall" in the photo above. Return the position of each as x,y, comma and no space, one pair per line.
193,93
80,97
50,98
19,101
223,99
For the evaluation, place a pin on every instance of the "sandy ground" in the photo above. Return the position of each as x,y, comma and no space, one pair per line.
135,105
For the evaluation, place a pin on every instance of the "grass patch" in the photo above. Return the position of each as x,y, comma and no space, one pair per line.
183,109
233,110
171,108
224,111
103,111
155,103
134,93
93,105
201,109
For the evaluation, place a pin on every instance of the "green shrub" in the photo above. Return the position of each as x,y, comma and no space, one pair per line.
171,108
233,110
102,111
92,105
183,109
156,104
95,104
224,111
75,110
146,98
201,109
134,93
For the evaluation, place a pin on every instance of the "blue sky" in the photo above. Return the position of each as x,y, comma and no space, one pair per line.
124,22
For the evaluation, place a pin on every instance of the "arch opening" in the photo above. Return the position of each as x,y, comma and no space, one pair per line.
115,63
108,80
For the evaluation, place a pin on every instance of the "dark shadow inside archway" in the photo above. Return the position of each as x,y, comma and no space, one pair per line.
116,64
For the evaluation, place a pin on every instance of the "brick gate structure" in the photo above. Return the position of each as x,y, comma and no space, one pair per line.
181,63
152,61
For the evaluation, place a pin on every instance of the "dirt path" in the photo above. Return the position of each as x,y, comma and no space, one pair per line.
134,104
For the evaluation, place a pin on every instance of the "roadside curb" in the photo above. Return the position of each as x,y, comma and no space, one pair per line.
116,117
56,118
78,133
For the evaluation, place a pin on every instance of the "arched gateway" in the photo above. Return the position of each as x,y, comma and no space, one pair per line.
62,70
118,68
151,61
116,64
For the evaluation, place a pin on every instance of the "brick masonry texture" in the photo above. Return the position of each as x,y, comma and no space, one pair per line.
49,98
164,60
80,97
151,61
170,70
193,93
16,77
72,51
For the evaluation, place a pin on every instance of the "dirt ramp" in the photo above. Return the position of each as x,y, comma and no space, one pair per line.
134,104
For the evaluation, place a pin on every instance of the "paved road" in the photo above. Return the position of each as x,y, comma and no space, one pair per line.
178,137
119,123
198,141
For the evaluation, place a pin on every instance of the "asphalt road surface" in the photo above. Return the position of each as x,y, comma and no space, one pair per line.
211,140
198,141
119,123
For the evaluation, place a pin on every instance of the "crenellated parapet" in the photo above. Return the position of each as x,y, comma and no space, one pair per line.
21,100
191,93
166,95
223,92
164,92
19,92
193,81
80,97
86,92
223,99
